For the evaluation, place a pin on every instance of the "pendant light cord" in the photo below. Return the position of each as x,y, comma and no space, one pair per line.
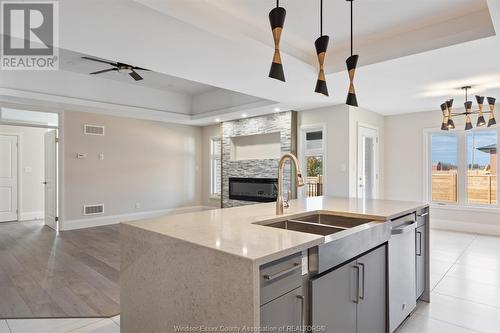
277,3
321,18
351,30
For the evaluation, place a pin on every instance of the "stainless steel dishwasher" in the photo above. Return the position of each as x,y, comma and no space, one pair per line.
402,294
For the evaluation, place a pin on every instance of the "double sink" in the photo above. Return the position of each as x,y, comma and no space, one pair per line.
345,237
320,224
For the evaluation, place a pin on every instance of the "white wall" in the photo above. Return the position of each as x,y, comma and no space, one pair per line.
341,142
153,164
404,173
31,161
207,133
336,119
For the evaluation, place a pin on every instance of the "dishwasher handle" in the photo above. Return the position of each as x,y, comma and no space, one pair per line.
404,228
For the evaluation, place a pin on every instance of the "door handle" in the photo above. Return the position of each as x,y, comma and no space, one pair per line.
362,276
356,300
281,273
44,183
405,227
422,215
419,235
302,312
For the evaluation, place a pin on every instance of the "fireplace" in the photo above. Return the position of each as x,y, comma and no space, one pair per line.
253,189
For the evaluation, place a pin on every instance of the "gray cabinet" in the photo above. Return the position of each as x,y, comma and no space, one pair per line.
352,298
285,310
420,255
282,302
372,306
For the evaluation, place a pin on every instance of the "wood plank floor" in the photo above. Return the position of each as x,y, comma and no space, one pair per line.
72,274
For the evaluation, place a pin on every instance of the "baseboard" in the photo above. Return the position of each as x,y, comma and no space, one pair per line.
470,227
27,216
114,219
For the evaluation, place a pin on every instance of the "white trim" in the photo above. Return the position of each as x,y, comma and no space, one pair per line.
302,151
28,216
469,227
377,156
114,219
19,170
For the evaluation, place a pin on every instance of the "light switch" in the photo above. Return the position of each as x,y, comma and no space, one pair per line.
101,156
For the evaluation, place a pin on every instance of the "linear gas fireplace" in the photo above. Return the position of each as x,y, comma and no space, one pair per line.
253,189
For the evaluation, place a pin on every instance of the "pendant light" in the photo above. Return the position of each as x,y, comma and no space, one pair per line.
480,118
491,104
277,21
449,106
444,124
321,45
351,63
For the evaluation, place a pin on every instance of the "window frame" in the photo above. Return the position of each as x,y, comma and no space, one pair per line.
215,193
462,168
304,153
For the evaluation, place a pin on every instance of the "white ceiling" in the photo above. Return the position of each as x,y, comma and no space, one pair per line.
73,62
413,54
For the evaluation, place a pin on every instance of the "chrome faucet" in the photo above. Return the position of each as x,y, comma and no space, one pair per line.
300,181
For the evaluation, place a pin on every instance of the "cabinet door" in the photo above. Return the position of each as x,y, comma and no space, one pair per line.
333,299
372,307
420,255
286,310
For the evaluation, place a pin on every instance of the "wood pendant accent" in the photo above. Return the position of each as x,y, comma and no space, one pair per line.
468,122
480,118
444,125
351,63
491,105
321,45
449,106
277,20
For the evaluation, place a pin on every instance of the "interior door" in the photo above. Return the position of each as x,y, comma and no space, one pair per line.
367,162
8,178
51,179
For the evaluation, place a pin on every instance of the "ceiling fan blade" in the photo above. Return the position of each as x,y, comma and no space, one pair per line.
142,69
136,76
104,71
99,60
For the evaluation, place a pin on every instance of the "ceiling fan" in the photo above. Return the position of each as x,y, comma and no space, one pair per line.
120,67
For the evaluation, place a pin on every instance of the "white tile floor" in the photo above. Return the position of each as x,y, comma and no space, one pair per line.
465,281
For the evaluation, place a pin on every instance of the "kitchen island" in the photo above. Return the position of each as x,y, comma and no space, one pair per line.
228,268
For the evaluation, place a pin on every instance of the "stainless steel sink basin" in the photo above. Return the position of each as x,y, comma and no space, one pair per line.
334,220
311,228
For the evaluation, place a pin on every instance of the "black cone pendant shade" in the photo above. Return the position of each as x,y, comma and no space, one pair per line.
444,124
277,21
351,64
468,122
480,118
449,106
321,46
491,104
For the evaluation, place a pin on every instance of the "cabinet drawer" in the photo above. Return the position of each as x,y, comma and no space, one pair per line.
286,310
279,277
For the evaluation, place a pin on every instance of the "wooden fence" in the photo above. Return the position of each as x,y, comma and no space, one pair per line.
481,188
314,186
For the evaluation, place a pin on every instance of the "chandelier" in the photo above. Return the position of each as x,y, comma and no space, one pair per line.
448,114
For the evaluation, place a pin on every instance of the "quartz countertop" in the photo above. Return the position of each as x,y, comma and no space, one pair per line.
239,230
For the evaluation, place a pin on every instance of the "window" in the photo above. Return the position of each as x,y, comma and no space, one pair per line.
314,158
482,167
215,166
444,157
463,167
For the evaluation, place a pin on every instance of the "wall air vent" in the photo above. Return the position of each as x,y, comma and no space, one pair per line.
93,209
93,130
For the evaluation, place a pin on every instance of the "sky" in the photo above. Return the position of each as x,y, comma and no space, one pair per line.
445,147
